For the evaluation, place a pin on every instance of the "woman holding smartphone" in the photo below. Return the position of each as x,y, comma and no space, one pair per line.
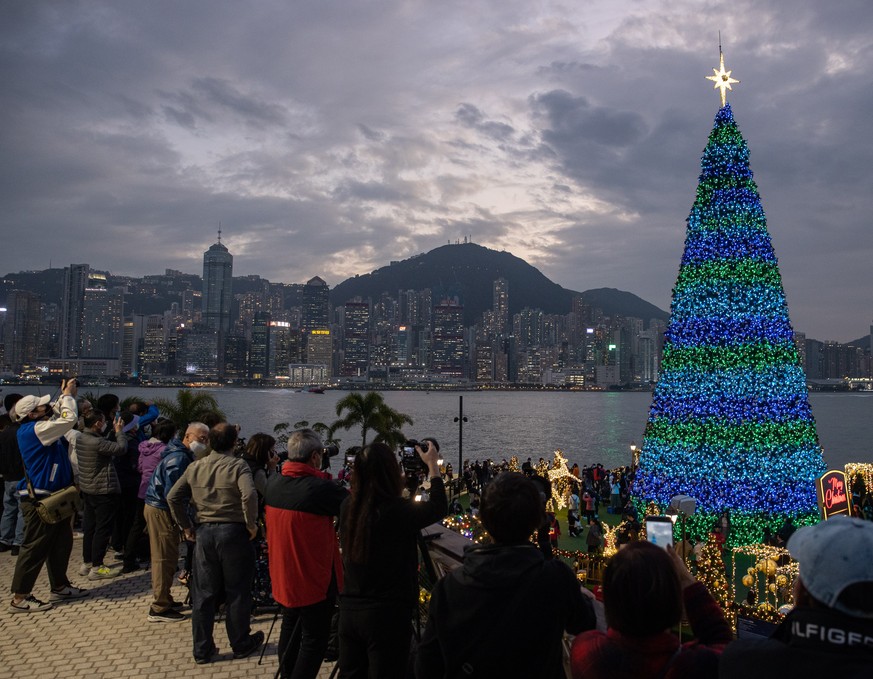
644,589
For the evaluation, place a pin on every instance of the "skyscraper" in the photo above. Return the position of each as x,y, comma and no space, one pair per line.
259,349
21,329
501,307
316,305
102,313
356,339
217,287
72,303
448,351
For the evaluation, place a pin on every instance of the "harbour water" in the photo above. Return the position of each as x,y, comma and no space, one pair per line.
588,426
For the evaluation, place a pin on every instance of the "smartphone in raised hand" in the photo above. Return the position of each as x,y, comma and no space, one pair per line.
659,531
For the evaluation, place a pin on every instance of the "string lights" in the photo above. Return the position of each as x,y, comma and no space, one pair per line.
730,422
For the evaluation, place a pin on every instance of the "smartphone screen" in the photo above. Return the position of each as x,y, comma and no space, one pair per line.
659,531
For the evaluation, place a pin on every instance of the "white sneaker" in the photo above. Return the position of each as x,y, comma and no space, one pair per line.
84,569
28,605
68,593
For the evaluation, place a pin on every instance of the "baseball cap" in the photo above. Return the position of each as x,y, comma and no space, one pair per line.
27,404
133,424
833,555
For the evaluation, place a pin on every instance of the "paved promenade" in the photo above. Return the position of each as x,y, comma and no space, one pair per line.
107,635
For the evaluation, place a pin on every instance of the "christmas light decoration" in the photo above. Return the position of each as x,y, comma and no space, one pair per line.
561,479
730,422
771,579
710,571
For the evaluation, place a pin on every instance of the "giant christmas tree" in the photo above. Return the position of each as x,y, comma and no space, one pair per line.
730,422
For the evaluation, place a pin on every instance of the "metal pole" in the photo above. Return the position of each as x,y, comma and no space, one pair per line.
460,419
461,435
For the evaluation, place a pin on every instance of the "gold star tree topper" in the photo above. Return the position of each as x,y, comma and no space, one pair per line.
722,79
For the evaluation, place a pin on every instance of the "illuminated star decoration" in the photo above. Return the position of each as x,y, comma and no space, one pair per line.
722,79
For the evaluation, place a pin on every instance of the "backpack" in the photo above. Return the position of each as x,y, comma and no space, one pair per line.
11,465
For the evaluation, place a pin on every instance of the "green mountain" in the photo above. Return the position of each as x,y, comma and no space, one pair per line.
467,271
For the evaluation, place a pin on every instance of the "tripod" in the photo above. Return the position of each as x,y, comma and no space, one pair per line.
428,571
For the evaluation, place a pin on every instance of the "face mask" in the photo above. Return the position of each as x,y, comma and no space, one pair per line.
104,427
197,448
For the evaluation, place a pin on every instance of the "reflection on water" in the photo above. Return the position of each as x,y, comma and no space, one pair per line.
588,426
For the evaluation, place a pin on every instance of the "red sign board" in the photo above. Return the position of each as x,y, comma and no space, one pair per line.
833,495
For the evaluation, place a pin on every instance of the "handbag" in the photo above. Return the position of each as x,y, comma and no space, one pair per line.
57,507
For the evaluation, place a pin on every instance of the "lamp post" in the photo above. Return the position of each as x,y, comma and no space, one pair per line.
460,419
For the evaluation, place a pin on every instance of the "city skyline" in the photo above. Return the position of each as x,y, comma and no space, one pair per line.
291,334
328,141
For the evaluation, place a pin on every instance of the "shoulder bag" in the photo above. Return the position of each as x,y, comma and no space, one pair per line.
57,507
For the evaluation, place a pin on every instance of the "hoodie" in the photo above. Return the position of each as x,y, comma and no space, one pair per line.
149,456
503,613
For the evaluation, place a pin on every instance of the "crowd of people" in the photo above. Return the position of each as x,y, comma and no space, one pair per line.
342,558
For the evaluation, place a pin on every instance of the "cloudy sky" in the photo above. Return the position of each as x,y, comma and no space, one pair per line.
331,137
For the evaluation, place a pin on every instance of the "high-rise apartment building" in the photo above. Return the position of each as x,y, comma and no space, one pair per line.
152,354
527,326
217,287
72,309
284,342
102,315
448,351
316,305
259,349
356,339
501,307
191,306
319,349
21,329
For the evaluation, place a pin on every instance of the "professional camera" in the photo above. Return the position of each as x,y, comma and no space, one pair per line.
409,458
329,451
411,461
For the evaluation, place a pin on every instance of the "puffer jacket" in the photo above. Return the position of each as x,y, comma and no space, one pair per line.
149,456
175,459
97,475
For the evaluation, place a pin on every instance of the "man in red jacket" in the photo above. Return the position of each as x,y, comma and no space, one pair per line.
305,564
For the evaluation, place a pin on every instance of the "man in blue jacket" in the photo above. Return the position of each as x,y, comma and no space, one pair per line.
48,469
163,533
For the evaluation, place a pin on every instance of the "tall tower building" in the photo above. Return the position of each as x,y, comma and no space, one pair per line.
316,305
72,303
21,329
448,353
217,287
102,313
259,349
281,349
501,306
356,339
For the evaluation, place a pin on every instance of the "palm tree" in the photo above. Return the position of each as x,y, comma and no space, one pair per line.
283,429
189,406
371,413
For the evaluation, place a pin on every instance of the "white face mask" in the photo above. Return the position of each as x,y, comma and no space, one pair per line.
104,427
197,448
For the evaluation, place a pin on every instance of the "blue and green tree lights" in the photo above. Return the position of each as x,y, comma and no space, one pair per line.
730,422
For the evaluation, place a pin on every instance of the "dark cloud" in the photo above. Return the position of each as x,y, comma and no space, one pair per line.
323,136
472,117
